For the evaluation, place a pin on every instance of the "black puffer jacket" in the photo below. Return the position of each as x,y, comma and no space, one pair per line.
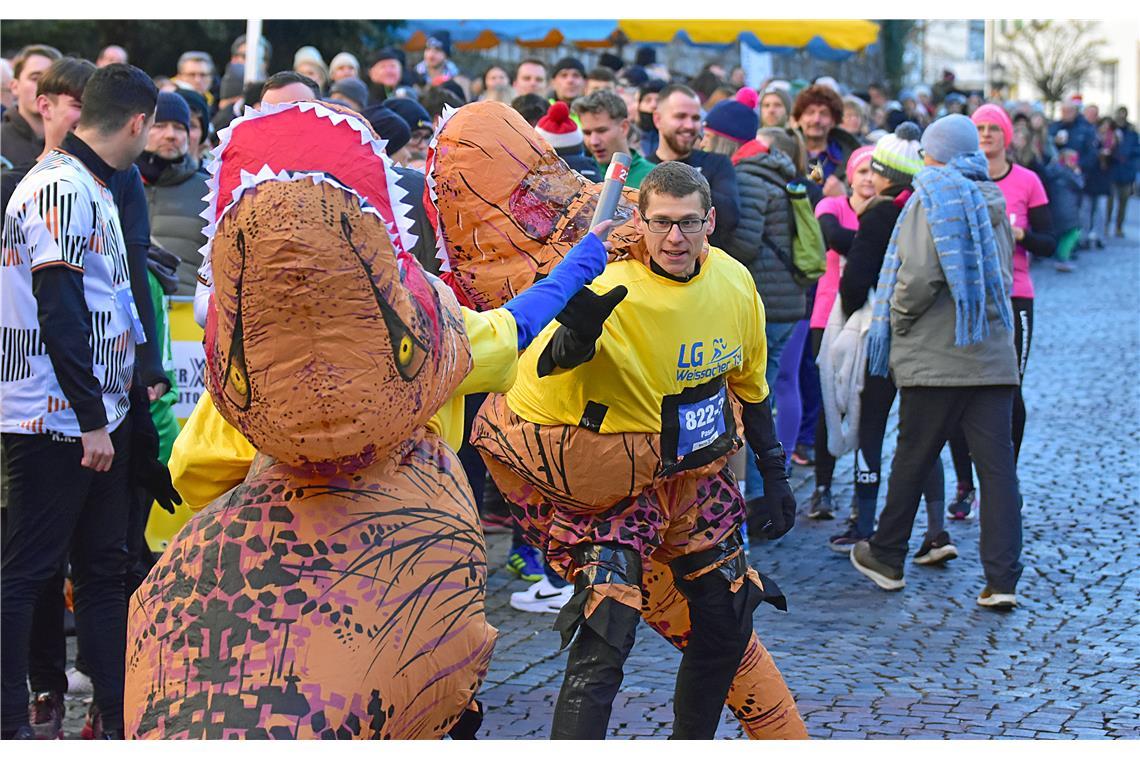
175,202
766,212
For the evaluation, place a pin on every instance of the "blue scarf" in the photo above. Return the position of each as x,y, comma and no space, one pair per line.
967,251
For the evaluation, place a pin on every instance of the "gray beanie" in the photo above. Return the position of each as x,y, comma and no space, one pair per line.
352,88
949,137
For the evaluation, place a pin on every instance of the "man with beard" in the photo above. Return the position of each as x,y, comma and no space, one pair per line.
817,112
175,186
678,120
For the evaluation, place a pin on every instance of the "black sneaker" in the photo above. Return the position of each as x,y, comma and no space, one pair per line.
842,543
820,508
884,576
964,504
937,551
46,715
995,600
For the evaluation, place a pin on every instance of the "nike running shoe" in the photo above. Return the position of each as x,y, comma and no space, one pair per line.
542,597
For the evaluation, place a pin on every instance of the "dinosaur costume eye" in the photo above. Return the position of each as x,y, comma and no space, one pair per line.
408,351
236,376
405,355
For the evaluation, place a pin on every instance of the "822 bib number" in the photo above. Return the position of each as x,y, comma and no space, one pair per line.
700,423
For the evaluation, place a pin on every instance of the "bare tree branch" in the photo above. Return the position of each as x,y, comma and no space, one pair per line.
1054,54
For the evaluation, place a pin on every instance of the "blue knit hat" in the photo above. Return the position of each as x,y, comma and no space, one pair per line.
949,137
410,111
734,120
390,126
171,107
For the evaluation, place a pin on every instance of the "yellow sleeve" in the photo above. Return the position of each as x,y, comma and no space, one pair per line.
210,456
747,381
494,339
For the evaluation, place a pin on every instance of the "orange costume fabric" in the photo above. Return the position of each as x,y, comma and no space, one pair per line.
506,207
507,210
338,591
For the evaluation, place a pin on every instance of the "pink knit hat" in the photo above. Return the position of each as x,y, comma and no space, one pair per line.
859,156
994,114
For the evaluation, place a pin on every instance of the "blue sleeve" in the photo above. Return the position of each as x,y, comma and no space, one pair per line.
537,305
134,218
726,200
130,197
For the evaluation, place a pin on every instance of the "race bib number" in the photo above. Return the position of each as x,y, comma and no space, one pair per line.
700,423
697,427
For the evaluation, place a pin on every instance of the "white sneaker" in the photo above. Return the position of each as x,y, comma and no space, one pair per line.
78,682
542,596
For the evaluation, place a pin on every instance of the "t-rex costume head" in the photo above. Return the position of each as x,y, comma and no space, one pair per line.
507,207
329,343
337,592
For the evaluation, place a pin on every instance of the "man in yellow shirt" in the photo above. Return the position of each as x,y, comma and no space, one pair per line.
612,446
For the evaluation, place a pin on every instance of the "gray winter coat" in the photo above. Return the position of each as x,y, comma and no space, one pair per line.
922,312
764,210
174,203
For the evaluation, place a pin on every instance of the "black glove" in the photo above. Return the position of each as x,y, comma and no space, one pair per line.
154,476
581,319
146,469
778,501
164,266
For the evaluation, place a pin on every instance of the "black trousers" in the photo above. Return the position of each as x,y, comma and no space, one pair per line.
1022,339
926,418
472,463
56,507
824,461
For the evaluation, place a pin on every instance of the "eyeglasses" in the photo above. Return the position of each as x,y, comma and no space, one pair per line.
687,226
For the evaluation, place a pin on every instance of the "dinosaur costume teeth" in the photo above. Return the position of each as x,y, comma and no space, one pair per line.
338,591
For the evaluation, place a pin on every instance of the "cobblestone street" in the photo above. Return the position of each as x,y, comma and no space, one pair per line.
927,662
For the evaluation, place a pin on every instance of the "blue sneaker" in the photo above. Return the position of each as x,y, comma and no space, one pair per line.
526,563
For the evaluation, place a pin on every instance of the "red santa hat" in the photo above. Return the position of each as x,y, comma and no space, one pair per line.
558,129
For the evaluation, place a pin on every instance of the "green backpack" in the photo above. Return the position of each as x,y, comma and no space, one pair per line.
809,252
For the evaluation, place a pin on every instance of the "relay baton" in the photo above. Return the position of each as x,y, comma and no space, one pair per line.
611,189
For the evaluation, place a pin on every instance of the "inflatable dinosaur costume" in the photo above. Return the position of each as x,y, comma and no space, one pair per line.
338,591
507,210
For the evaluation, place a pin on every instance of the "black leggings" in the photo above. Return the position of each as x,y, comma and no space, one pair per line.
824,461
1022,338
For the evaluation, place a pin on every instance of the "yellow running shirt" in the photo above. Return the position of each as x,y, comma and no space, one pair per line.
210,456
665,353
